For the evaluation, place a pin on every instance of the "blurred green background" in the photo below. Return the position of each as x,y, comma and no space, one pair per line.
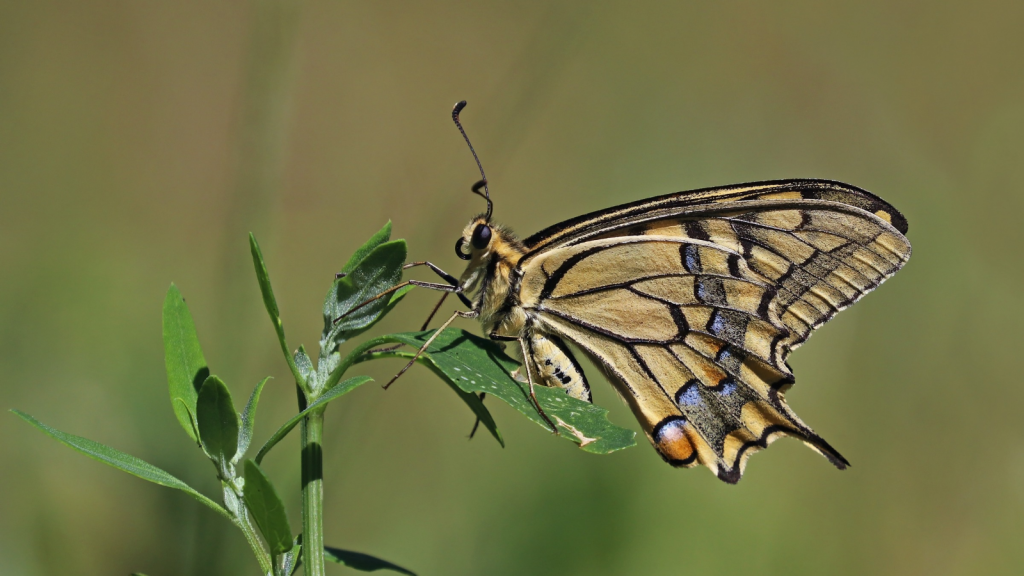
140,141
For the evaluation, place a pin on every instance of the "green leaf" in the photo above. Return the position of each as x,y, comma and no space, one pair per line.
218,421
475,364
267,509
396,297
191,419
122,461
333,394
263,277
382,236
186,367
361,561
293,558
327,374
303,363
270,302
379,270
249,420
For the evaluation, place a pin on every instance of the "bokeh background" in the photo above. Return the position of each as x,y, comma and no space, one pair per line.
141,141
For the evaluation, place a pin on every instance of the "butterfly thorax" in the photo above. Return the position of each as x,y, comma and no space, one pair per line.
488,279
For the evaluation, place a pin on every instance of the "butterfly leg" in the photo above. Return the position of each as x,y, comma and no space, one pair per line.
533,394
422,328
453,288
434,311
457,314
431,285
445,276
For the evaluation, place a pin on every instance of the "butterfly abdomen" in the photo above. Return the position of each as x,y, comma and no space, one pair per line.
554,365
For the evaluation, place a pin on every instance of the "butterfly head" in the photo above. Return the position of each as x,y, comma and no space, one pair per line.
482,238
476,238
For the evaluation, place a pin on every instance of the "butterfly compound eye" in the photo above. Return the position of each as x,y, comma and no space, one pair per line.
481,237
458,249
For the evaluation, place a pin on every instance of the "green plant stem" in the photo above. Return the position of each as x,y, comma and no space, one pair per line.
266,564
242,521
354,357
313,494
303,385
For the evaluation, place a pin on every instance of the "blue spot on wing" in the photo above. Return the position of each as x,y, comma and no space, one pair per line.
689,395
691,259
718,324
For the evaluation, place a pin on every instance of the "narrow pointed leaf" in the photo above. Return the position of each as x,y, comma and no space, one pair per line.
474,364
333,394
122,461
361,561
218,421
263,277
266,509
183,358
380,237
249,420
270,302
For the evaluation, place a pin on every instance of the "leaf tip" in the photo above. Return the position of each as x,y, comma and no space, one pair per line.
173,293
254,247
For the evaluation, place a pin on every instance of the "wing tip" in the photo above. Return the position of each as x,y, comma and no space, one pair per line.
895,217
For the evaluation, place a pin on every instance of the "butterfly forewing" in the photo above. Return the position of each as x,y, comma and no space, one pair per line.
691,303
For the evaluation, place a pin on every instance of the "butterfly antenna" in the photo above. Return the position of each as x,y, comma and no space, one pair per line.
483,177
